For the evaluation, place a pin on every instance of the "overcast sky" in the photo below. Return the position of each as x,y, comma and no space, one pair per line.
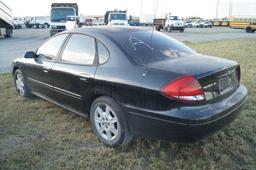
183,8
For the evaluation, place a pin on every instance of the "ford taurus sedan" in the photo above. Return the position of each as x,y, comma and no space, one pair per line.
133,82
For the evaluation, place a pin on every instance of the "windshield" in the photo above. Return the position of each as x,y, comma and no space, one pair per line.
60,14
143,47
174,18
117,16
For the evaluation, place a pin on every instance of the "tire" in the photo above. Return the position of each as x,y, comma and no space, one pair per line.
20,85
249,30
158,28
112,133
8,33
181,30
45,25
169,29
40,26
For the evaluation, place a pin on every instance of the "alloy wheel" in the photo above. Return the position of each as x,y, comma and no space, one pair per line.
20,84
106,121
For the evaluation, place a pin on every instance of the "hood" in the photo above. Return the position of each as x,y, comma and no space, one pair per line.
196,65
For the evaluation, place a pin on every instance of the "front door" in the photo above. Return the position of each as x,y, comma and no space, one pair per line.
38,71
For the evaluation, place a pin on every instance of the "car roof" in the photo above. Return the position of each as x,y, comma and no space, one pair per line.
110,31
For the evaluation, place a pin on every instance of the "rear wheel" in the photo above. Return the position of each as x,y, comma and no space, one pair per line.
108,122
249,30
19,81
181,30
169,28
8,33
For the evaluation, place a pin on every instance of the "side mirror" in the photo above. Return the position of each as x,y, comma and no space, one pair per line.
30,54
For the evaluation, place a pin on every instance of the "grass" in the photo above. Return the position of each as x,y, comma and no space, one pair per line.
35,134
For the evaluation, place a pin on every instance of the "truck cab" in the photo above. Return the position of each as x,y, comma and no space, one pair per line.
116,18
59,14
174,23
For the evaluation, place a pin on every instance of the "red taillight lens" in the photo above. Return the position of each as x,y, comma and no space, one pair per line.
185,88
238,73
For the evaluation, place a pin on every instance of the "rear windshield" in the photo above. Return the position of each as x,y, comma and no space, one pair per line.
143,47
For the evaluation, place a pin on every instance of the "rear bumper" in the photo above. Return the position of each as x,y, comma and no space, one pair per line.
186,124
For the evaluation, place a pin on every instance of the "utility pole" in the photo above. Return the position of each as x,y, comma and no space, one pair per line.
217,9
230,9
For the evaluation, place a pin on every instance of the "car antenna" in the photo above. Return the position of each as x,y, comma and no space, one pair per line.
151,37
155,11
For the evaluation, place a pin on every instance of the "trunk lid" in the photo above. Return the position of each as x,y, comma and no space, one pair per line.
197,65
217,76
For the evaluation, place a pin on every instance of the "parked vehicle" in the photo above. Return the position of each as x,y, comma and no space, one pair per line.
147,19
132,81
98,21
188,24
116,18
18,22
59,13
169,24
38,22
205,24
243,22
6,21
195,24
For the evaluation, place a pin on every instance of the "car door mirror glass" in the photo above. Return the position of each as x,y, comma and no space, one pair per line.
30,54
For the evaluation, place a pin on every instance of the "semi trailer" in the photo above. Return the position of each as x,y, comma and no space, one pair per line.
6,20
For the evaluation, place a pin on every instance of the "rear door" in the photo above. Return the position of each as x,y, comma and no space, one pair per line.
73,74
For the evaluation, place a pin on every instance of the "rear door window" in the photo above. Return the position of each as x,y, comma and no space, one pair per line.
80,49
103,53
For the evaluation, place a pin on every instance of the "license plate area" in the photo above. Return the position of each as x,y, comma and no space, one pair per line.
225,84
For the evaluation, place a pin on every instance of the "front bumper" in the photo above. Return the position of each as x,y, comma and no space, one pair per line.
177,27
188,123
55,31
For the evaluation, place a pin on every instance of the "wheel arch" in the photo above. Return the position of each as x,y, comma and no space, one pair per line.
14,69
96,93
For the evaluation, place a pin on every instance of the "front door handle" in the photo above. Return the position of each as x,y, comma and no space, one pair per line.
84,77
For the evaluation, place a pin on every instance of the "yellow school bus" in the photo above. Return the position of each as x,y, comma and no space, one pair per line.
243,22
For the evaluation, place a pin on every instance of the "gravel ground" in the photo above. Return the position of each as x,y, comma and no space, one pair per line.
29,39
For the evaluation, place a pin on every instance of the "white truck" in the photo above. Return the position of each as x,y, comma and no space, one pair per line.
59,14
116,18
38,22
6,21
170,23
18,22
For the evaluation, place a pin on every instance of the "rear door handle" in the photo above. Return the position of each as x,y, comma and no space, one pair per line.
46,69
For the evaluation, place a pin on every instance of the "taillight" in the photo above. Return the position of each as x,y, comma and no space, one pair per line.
238,73
184,89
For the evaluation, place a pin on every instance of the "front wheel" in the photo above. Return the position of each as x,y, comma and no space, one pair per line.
108,122
19,81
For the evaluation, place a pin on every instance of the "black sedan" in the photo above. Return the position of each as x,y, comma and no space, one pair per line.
133,82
